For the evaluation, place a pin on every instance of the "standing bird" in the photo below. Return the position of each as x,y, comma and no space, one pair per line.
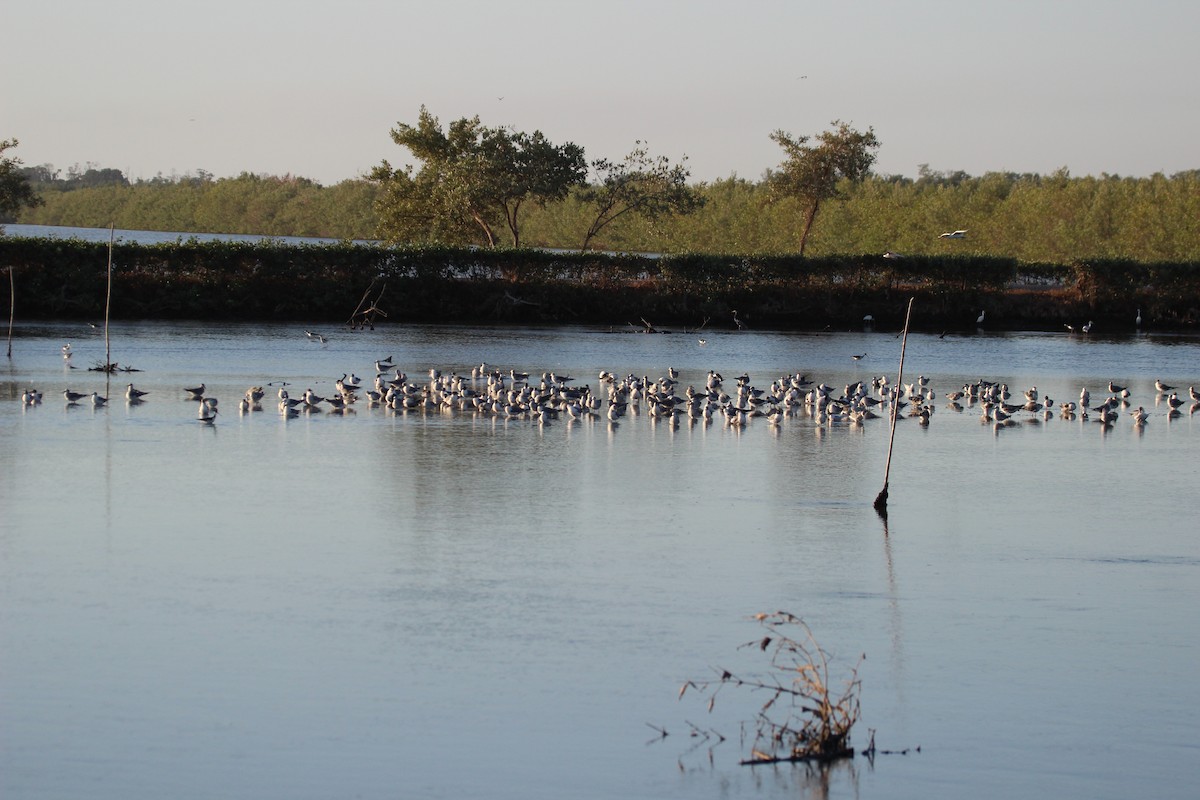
97,400
73,397
1162,387
196,393
208,410
1087,328
1137,321
133,394
979,319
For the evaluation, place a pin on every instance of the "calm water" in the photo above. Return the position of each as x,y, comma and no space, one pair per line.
144,237
384,605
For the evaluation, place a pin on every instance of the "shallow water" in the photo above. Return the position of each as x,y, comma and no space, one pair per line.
447,605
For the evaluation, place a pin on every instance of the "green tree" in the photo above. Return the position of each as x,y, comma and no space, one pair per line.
15,191
639,185
473,180
811,173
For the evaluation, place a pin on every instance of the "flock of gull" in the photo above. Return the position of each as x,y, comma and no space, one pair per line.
510,394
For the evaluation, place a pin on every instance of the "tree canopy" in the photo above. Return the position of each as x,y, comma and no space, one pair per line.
639,185
472,182
15,191
811,173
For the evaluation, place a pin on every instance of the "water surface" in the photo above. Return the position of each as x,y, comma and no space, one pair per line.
450,605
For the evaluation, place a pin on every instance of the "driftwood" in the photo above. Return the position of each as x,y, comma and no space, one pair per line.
365,314
813,720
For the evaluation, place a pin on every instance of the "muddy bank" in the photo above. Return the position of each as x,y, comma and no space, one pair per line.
328,283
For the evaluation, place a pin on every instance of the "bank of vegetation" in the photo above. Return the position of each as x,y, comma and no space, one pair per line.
270,280
1030,218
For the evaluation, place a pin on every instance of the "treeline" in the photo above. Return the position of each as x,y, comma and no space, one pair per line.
190,279
1032,218
248,204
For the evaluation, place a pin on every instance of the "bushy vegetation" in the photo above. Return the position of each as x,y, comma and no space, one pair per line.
1031,218
247,204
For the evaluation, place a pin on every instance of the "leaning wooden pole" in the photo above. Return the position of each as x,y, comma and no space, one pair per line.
108,303
881,498
12,305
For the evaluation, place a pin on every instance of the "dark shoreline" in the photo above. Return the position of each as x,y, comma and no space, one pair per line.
66,279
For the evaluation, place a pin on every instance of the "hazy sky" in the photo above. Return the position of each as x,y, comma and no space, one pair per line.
313,89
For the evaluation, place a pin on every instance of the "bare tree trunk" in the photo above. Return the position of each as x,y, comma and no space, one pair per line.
808,221
487,229
511,217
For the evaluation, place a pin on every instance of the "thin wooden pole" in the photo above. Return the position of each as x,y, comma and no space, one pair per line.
12,305
108,303
881,498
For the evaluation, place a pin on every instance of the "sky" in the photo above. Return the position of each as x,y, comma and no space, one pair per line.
296,87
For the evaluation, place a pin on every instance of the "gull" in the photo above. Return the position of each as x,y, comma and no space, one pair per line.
953,235
208,410
66,350
1162,387
73,397
1112,387
383,365
1192,393
316,337
134,394
98,401
1139,416
288,402
702,342
1175,401
196,393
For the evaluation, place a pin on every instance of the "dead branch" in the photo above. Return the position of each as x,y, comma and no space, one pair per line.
814,721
